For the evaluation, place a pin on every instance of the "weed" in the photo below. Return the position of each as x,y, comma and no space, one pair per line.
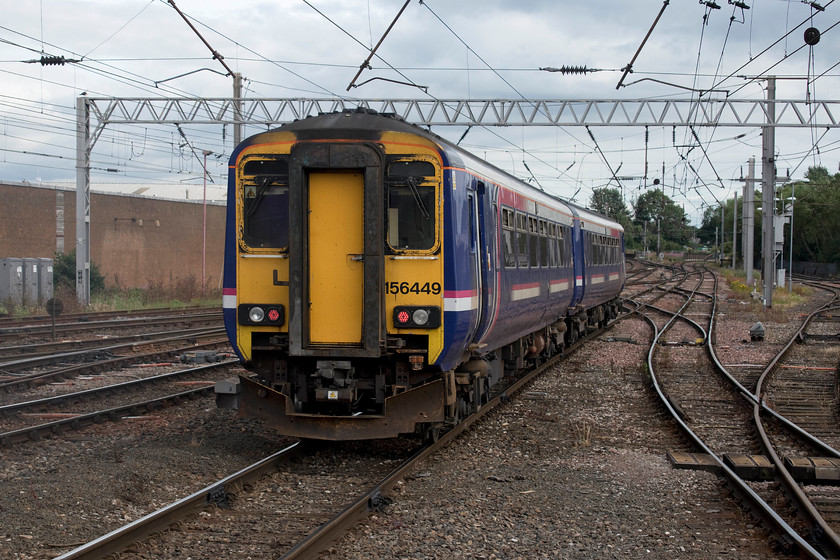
582,429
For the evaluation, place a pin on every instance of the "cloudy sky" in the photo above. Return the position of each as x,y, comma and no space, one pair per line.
465,49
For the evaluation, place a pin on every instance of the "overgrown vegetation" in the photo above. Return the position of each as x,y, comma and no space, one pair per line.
64,273
782,298
175,294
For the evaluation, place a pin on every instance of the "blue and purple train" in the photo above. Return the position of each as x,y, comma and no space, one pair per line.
379,280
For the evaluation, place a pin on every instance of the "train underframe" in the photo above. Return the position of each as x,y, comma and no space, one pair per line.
333,398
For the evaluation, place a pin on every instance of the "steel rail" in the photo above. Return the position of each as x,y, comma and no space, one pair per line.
750,395
71,370
118,540
40,321
693,323
80,421
62,373
137,340
98,391
47,348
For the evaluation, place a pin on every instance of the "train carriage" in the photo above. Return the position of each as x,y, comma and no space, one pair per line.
379,279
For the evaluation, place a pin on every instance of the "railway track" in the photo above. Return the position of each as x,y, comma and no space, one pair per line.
19,422
221,531
790,441
721,415
258,488
13,376
16,358
13,329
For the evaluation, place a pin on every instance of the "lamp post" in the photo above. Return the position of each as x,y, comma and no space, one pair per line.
204,227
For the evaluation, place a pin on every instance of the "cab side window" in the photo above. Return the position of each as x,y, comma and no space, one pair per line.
265,202
411,205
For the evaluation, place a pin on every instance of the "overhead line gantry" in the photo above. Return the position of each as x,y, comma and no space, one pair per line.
93,114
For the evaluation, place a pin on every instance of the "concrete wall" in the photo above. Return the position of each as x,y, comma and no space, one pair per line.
135,241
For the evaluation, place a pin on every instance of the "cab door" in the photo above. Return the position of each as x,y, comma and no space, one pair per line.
336,257
335,249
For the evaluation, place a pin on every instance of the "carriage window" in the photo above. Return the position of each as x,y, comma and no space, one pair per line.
551,245
411,205
265,203
507,238
522,240
560,247
599,249
543,243
534,239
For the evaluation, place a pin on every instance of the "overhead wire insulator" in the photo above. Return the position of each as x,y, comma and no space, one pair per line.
52,61
569,69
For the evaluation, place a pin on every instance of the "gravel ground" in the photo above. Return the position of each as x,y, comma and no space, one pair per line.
575,467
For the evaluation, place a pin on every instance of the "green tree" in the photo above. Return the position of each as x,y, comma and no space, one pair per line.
816,217
609,202
64,273
658,213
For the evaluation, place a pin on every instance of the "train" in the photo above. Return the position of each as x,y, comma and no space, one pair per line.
380,280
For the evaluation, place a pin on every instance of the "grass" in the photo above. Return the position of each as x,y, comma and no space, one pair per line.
177,294
782,298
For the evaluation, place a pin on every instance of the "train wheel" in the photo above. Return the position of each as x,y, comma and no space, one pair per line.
485,393
431,432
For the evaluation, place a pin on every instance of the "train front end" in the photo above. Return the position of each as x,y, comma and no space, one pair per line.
333,289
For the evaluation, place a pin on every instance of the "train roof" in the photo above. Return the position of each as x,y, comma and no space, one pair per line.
366,124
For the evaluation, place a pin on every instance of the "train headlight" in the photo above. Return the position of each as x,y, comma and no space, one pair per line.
256,314
261,314
417,317
420,317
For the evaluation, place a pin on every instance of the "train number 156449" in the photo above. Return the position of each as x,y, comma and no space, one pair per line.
412,288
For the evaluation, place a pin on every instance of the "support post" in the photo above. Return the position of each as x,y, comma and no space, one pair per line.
734,228
749,222
83,201
722,232
768,187
237,109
